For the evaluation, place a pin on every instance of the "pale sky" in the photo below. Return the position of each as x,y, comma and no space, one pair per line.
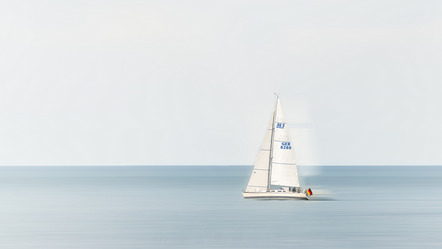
192,82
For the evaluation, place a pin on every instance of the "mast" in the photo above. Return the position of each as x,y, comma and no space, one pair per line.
271,145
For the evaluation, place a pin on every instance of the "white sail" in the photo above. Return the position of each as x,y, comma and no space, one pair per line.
275,162
284,171
259,178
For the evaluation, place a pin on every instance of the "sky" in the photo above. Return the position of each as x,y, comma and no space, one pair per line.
192,82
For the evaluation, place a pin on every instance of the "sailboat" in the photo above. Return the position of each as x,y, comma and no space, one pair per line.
275,174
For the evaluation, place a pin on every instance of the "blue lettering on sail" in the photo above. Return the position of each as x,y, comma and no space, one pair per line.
280,125
286,146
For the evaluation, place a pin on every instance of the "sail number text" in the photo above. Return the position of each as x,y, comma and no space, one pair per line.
286,146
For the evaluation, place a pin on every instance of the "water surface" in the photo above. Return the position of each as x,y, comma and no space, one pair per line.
202,207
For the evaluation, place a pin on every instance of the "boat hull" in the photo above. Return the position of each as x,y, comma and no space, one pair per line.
274,195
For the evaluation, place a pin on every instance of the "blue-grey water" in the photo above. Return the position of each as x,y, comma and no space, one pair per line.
202,207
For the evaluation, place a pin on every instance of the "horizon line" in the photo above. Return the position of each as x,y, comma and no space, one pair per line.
221,165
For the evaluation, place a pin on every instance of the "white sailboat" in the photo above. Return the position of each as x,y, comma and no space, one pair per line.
275,174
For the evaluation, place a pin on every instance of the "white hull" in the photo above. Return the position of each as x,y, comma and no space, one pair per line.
275,195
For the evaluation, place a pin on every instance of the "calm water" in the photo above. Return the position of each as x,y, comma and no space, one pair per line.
202,207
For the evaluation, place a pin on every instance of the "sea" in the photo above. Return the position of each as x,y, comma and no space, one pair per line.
202,207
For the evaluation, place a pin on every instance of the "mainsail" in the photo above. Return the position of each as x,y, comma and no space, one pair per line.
275,162
259,179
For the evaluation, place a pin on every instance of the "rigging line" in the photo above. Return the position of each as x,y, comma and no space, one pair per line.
285,163
271,145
